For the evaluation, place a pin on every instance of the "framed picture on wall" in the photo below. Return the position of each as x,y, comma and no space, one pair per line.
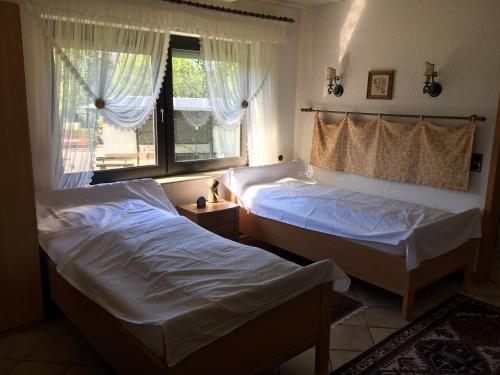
380,84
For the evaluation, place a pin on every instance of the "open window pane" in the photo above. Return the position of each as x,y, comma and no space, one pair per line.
196,133
118,148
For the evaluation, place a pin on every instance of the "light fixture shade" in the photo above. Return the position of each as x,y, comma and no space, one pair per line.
429,69
331,73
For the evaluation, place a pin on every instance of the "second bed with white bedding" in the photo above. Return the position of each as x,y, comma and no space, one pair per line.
125,247
285,193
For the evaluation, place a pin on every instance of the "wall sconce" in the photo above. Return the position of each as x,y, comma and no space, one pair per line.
333,82
432,88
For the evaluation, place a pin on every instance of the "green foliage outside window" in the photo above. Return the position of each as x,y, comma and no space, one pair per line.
189,78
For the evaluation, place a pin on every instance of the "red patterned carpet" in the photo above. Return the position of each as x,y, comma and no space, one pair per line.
461,336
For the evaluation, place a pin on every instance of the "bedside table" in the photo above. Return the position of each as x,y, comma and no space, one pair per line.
221,218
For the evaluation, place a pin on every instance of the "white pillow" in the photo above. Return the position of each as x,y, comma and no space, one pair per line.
147,190
239,179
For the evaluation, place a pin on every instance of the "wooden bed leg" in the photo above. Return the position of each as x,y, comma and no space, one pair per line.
323,345
408,299
468,271
407,308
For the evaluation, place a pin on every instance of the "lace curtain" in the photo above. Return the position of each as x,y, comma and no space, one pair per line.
102,74
116,38
239,77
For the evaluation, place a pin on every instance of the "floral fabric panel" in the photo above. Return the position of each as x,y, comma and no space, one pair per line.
421,153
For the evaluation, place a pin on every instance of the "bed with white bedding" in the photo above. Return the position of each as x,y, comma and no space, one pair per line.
284,193
175,286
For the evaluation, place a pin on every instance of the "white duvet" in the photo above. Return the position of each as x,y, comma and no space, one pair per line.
124,246
421,232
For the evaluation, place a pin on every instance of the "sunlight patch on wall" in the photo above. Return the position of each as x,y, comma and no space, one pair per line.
349,26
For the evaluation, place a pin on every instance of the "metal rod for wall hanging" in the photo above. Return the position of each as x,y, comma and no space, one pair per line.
470,118
238,12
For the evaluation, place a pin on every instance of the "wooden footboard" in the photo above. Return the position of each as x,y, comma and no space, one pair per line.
259,345
385,270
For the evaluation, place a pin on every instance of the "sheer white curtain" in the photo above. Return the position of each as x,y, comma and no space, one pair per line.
239,77
102,74
128,26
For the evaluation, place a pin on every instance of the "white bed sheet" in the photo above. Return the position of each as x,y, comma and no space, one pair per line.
411,230
150,267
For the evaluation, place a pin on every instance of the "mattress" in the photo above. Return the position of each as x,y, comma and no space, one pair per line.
410,230
174,285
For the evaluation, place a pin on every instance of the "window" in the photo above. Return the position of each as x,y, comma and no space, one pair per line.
182,137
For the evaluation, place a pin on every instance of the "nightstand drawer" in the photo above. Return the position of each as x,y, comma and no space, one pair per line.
213,219
221,218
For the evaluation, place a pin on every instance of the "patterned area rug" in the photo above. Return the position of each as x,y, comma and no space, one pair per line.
460,336
344,307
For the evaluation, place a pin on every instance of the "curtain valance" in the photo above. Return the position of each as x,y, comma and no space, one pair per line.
421,153
155,15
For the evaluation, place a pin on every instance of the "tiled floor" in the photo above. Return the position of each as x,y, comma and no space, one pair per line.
49,348
56,347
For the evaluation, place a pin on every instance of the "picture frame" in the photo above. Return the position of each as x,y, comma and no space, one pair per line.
380,84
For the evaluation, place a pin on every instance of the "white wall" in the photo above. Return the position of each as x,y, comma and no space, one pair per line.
462,37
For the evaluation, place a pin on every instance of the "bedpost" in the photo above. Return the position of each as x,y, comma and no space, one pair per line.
323,344
471,259
408,297
226,194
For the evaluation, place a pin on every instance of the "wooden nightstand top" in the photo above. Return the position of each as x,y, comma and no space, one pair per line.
211,207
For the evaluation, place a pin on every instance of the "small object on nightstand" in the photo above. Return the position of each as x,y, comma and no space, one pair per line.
213,193
201,202
221,218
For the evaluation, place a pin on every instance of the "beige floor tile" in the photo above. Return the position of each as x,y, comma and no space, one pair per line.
89,370
18,345
88,356
355,320
384,317
373,296
55,325
378,334
355,338
60,348
39,368
492,300
303,364
340,357
488,289
6,366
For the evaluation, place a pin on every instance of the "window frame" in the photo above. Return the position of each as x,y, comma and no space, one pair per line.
175,168
165,134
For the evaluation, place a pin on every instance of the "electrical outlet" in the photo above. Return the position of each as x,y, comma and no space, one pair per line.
476,162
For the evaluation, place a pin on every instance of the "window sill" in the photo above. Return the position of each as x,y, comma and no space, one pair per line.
190,177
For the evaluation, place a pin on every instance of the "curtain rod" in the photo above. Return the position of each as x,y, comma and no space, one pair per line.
238,12
470,118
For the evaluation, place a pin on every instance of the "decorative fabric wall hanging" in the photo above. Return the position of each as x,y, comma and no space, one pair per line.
421,153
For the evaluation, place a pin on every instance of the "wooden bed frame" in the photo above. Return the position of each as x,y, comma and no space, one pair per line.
385,270
259,345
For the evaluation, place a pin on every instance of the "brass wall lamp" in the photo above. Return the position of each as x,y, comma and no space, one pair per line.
431,87
334,87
